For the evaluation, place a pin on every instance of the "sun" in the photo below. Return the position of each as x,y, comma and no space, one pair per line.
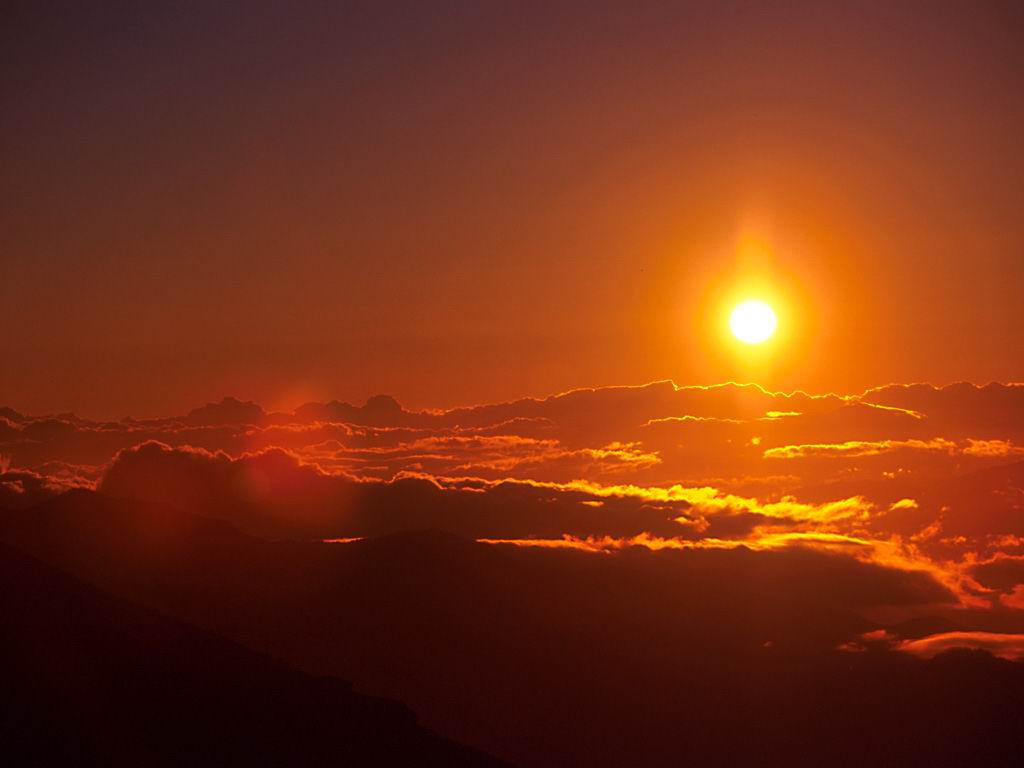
752,322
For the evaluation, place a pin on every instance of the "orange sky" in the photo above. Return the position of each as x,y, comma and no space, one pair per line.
469,205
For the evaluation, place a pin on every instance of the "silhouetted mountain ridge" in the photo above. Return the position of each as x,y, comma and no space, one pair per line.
89,679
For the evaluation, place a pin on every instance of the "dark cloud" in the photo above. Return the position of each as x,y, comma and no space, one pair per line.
227,411
1002,645
1002,572
21,489
684,433
274,493
991,411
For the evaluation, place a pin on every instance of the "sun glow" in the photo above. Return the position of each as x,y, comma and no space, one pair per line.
752,322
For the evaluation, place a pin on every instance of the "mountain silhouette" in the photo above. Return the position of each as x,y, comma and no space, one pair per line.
94,680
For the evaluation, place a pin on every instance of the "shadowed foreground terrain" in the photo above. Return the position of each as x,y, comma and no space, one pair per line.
90,679
541,656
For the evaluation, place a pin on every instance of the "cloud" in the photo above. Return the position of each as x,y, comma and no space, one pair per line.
927,474
903,504
227,411
484,455
1003,646
1002,571
857,448
997,448
22,489
993,411
1014,598
276,493
657,433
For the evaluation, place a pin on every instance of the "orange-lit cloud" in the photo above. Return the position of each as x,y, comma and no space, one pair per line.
914,478
857,448
993,448
1005,646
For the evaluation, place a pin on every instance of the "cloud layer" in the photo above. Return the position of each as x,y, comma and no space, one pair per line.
927,479
639,554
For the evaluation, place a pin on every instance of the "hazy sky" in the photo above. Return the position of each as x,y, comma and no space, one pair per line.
467,202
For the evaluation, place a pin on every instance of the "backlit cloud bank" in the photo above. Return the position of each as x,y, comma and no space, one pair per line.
925,480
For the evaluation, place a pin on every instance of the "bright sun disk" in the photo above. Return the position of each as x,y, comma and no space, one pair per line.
752,322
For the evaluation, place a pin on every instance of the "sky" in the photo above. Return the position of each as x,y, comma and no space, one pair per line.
459,203
393,341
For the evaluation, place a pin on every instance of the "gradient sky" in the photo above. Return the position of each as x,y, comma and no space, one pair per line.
474,201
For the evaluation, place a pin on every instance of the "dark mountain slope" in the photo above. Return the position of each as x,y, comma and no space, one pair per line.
90,679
